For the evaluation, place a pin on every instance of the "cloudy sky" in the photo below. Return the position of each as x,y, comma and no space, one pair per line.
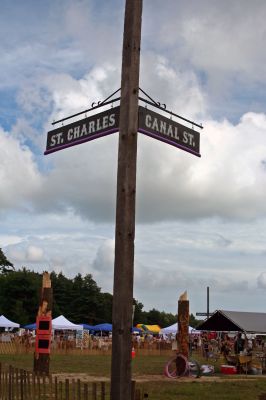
199,221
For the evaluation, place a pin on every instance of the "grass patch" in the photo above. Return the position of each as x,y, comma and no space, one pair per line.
234,388
249,390
97,365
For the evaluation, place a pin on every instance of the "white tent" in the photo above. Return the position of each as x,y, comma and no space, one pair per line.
6,323
62,323
174,328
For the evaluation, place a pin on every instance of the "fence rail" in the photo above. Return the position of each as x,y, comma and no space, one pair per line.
19,384
19,348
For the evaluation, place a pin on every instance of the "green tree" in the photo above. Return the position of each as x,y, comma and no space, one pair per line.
137,312
78,299
105,308
156,317
85,299
193,321
19,295
92,299
62,287
5,264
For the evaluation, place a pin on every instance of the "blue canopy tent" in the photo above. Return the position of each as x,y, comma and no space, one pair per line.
108,328
97,328
134,329
30,326
88,327
103,328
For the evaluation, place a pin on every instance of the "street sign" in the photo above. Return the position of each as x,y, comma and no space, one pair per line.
168,131
107,122
81,131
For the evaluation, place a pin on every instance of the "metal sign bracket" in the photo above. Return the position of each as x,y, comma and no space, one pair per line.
94,105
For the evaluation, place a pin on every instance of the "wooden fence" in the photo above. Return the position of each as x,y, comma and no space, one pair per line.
19,384
19,348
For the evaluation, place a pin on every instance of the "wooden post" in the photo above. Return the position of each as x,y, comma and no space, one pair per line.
42,361
61,390
102,390
125,205
10,388
21,385
17,383
94,391
56,388
86,392
78,389
67,389
183,325
73,397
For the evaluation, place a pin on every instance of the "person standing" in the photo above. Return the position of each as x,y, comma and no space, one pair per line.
239,343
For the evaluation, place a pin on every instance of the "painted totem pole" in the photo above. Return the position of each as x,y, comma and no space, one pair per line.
183,325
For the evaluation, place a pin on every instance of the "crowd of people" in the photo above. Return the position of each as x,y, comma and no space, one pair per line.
211,344
206,343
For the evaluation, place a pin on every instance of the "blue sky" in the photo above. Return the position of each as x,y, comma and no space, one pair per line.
200,221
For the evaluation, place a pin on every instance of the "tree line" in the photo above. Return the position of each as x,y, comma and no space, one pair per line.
79,299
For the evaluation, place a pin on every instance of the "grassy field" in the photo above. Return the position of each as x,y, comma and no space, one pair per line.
151,367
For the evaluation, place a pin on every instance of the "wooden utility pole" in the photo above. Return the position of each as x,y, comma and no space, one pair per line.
125,205
44,327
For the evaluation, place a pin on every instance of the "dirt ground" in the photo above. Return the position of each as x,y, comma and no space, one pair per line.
155,378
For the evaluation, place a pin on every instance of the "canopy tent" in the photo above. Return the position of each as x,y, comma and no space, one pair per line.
30,326
6,323
108,328
149,328
173,329
134,329
234,321
102,328
88,327
61,323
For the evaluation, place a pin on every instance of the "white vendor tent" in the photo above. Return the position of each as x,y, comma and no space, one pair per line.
6,323
64,324
172,329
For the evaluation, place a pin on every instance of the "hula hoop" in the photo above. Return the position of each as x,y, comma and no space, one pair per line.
176,367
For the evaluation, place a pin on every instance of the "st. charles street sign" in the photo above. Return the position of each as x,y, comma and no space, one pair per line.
82,131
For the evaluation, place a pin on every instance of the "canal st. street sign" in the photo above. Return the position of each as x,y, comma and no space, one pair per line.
168,131
105,123
82,131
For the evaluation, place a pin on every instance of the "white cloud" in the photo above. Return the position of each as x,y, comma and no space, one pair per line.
103,265
178,88
74,95
104,259
228,181
34,254
6,240
23,255
261,280
19,176
215,37
213,41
